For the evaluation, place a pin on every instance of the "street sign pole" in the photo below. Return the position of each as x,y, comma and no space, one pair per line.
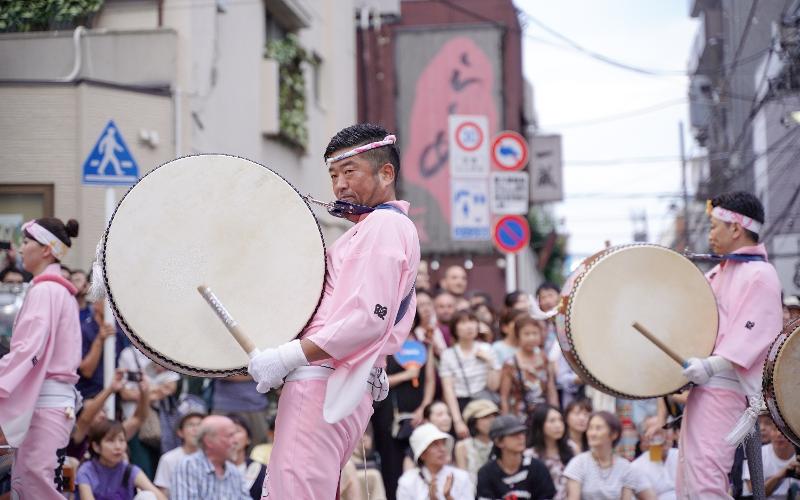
110,344
511,272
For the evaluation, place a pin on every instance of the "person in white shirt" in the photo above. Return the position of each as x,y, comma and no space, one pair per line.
187,428
433,478
658,462
780,463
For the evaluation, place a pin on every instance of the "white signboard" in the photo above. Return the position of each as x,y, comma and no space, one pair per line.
785,256
469,146
469,210
546,169
509,192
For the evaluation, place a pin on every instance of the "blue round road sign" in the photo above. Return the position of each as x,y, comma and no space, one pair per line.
511,233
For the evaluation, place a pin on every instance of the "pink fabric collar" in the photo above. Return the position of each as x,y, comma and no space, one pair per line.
53,273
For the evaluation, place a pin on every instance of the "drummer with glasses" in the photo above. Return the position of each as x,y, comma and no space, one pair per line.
334,371
728,382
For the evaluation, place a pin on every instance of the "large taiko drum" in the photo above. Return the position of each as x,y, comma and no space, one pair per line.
221,221
649,284
782,381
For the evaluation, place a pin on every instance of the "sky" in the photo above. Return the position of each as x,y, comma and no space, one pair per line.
570,87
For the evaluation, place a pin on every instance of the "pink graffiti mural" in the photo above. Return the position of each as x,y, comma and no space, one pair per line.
459,79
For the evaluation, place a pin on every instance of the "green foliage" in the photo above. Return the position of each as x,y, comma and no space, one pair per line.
548,244
291,58
46,15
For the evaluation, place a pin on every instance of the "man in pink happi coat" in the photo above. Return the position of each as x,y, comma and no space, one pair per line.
38,375
728,382
334,371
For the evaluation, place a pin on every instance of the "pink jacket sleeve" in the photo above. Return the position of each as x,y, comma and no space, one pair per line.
754,325
374,278
28,341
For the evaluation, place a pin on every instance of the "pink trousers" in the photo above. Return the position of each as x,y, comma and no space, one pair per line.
309,453
705,459
35,462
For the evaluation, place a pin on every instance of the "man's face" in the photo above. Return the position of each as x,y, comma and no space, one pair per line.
722,236
13,278
445,306
455,280
548,299
221,444
356,180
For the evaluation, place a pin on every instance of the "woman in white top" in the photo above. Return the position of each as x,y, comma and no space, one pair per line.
433,478
468,369
599,474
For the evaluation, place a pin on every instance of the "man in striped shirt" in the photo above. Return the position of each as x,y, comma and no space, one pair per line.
208,473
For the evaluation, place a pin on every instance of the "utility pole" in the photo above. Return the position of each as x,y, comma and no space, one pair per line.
686,231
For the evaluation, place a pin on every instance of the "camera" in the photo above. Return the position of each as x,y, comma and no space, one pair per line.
5,245
133,376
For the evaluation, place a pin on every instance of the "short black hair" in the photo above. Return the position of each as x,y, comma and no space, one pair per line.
743,203
361,134
547,285
11,269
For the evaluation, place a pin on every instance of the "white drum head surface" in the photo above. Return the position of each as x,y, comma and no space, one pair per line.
221,221
660,289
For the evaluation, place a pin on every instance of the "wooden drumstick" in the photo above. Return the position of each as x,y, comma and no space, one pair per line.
652,338
242,339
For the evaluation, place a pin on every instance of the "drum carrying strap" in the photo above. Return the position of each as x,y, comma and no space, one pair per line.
735,257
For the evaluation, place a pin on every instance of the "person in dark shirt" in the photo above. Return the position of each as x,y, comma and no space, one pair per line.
510,475
94,332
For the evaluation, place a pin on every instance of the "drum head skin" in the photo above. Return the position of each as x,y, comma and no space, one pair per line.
220,221
782,382
664,292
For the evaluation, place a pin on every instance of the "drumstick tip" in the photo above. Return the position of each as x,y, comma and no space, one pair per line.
203,289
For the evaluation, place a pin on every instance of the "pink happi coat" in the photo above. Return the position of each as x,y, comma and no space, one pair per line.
45,344
750,317
371,268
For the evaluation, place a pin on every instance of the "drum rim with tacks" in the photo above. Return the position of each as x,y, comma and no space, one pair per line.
585,301
269,192
776,399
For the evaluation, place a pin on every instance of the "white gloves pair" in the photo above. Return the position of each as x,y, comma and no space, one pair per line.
270,366
700,370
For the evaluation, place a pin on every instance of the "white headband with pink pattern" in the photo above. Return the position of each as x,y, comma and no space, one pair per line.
726,215
45,237
389,139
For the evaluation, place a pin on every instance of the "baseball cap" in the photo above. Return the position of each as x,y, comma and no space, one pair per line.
190,405
479,408
505,425
423,436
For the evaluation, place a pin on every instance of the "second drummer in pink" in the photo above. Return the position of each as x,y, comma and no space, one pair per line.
324,407
748,298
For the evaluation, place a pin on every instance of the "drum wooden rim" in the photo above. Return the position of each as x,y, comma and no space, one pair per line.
775,398
137,339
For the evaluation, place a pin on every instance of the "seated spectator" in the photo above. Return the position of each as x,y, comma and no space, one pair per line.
507,346
527,377
12,276
576,416
548,296
658,462
444,306
432,477
472,453
599,473
108,474
253,472
518,300
438,414
781,467
208,474
468,370
188,426
261,452
765,428
547,438
513,474
237,394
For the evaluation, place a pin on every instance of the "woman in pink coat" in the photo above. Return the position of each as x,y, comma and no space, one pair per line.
38,376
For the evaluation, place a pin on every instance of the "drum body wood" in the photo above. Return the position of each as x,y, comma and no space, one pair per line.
220,221
782,381
656,286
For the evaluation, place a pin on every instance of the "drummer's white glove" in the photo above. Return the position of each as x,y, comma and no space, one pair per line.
270,366
700,370
378,384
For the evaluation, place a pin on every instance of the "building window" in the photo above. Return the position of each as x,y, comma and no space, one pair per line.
20,203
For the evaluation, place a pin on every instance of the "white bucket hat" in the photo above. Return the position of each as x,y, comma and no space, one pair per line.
423,436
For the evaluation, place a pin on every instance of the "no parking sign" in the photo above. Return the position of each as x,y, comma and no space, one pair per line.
511,233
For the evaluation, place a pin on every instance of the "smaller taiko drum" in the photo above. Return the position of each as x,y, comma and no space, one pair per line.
782,381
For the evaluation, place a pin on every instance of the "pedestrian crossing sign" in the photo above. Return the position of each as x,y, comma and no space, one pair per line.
110,162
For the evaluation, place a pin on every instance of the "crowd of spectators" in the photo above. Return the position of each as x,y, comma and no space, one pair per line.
494,411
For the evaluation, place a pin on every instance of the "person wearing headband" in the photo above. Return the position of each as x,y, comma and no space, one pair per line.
38,399
724,403
334,371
